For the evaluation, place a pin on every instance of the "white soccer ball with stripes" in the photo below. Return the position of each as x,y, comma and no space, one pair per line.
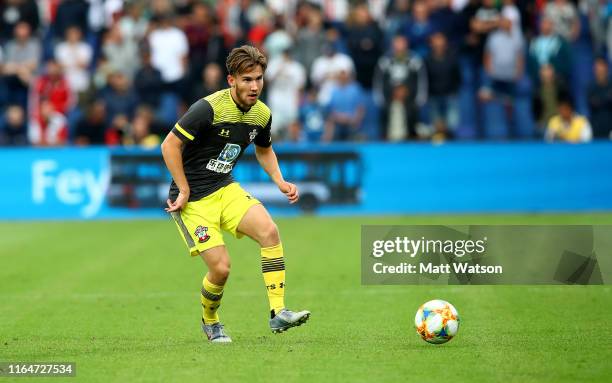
437,321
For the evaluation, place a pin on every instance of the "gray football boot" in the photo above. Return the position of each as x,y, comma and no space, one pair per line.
215,333
286,319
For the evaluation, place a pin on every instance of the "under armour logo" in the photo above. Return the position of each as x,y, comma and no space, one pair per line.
224,133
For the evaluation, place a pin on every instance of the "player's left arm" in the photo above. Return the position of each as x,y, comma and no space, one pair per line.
267,159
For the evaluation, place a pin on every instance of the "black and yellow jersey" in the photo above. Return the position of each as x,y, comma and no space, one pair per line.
216,132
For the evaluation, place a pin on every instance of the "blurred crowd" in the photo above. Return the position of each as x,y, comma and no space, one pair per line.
120,72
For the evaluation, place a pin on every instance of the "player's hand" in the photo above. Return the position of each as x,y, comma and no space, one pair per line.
179,202
290,190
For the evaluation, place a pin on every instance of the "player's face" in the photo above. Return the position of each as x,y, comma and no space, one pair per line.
247,86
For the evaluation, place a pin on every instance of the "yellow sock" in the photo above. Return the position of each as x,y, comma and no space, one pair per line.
211,300
273,269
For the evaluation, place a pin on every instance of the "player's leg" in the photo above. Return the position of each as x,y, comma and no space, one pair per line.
199,226
258,225
218,261
244,215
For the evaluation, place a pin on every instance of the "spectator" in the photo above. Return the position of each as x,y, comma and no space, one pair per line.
91,128
53,86
277,42
216,50
546,97
49,127
22,58
485,21
197,32
325,70
504,61
364,44
345,110
133,24
261,26
564,17
212,81
101,74
444,79
240,17
169,52
119,129
600,101
401,74
148,82
140,131
13,12
568,126
549,48
312,119
419,29
14,131
121,52
119,97
101,16
286,78
504,65
74,55
310,39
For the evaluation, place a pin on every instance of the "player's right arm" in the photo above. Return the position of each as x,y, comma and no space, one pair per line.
199,116
172,151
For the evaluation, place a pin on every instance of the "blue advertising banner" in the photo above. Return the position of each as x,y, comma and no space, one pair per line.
53,183
85,183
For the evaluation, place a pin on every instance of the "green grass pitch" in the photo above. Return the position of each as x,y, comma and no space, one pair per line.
121,299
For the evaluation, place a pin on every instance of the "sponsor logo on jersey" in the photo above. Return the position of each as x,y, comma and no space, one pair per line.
225,161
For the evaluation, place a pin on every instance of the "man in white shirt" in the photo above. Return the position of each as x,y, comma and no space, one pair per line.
286,77
169,50
74,55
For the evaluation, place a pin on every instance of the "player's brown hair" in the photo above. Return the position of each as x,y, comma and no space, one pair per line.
244,58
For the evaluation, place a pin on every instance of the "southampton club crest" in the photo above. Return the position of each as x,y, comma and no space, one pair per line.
202,233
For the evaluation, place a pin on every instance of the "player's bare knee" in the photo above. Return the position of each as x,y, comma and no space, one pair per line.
221,270
268,235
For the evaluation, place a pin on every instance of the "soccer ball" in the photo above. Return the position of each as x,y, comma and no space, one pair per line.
437,321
